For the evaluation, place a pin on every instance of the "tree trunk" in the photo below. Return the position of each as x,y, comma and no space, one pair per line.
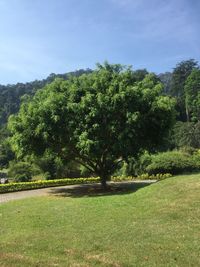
104,182
187,113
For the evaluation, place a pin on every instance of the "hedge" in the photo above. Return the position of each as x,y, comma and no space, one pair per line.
12,187
145,176
174,162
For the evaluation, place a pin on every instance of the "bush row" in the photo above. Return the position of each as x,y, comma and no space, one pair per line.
145,176
186,160
12,187
175,162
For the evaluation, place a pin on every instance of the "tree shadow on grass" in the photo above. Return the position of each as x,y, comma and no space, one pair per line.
95,190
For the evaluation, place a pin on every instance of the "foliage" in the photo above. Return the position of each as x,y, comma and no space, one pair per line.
20,171
196,157
179,77
20,186
174,162
134,166
144,176
22,177
10,95
6,153
3,173
166,79
141,163
139,75
52,166
97,119
192,95
186,134
49,164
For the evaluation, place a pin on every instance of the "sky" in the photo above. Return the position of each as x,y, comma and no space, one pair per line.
39,37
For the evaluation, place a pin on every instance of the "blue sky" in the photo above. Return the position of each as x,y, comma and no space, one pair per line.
38,37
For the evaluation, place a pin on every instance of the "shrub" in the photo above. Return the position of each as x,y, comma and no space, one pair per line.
3,174
134,166
186,134
24,177
144,176
174,162
141,163
20,171
47,176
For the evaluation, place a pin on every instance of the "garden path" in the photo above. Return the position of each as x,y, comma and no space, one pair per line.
5,197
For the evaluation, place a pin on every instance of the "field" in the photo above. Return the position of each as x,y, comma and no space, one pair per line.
155,225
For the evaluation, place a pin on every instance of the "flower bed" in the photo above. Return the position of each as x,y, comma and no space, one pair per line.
12,187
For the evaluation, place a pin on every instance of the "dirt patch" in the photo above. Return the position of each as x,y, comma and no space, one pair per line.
13,256
102,259
70,251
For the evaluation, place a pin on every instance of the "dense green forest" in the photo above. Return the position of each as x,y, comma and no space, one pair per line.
182,85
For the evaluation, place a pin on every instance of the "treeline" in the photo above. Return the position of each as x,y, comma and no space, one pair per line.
10,95
183,84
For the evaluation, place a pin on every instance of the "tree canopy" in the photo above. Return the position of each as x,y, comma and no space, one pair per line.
179,76
98,119
192,95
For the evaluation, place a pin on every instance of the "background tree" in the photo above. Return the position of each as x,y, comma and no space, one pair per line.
179,77
166,79
97,119
20,171
140,74
186,134
192,95
10,95
6,153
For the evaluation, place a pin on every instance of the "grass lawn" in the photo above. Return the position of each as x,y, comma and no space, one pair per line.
157,225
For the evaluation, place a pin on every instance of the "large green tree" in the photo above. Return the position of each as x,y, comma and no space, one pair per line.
98,119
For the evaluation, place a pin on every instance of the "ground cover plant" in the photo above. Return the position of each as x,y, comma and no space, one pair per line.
156,225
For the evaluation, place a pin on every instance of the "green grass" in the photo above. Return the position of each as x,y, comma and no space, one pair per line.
157,225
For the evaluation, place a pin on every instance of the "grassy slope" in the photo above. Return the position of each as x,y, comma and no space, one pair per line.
158,225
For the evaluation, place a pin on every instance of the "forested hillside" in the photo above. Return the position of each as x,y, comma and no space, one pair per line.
10,95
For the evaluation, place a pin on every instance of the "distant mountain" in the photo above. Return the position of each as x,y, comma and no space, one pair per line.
10,95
